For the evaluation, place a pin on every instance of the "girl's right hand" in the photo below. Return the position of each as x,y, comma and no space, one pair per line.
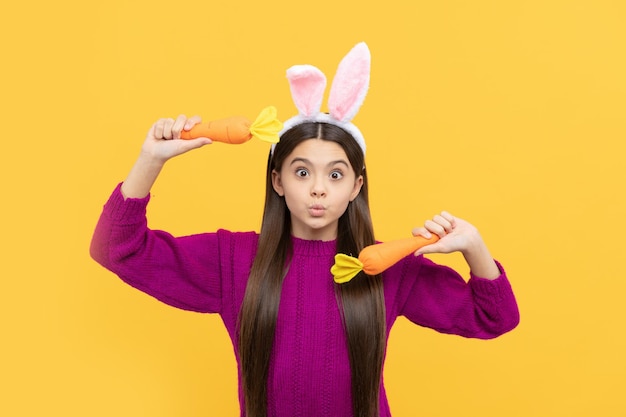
163,140
162,143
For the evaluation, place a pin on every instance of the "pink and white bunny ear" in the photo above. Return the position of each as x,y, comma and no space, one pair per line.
350,84
347,93
307,85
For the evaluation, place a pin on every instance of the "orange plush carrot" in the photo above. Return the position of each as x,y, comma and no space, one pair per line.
238,129
234,130
374,259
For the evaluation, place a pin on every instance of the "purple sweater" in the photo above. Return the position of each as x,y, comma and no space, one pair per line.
309,370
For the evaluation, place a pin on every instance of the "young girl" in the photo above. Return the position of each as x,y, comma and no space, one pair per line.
305,346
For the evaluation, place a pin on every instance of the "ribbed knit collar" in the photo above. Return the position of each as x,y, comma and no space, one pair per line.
313,247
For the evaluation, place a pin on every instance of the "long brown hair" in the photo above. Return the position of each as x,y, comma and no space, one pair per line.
361,300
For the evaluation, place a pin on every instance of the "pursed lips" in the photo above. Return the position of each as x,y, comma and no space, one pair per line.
317,210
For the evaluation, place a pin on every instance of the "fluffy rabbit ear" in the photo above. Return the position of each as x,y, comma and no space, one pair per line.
350,84
307,85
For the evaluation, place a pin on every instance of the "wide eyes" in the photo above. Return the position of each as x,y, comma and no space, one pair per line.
334,175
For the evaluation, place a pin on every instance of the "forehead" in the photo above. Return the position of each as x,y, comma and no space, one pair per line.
318,151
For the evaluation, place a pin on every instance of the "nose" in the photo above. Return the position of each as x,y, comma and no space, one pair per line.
318,189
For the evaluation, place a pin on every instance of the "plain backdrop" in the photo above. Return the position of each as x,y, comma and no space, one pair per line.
508,114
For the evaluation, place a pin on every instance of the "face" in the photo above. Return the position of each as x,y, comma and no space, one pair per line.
318,183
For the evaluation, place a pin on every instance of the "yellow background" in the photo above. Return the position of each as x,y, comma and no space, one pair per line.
507,113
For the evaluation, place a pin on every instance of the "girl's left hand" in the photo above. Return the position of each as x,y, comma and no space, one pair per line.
456,235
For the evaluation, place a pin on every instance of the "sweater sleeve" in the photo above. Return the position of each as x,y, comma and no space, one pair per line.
437,297
183,272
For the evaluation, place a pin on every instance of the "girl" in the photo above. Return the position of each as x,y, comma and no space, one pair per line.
304,345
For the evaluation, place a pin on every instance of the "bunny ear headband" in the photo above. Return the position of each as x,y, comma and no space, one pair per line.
346,96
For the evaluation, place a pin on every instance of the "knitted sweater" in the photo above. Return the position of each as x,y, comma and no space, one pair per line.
309,369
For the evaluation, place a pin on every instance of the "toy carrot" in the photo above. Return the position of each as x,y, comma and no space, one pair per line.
374,259
238,129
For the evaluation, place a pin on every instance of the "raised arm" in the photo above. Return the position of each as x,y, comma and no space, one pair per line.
439,298
183,272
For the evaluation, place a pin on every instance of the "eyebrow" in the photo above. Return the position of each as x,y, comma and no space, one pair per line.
306,161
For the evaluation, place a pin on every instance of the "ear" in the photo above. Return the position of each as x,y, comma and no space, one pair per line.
277,184
350,84
358,184
307,85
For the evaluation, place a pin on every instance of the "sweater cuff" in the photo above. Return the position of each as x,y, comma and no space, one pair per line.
125,211
499,287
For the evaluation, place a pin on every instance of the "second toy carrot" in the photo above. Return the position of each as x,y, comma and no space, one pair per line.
374,259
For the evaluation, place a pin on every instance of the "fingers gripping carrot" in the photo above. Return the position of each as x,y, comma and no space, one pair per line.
374,259
238,129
